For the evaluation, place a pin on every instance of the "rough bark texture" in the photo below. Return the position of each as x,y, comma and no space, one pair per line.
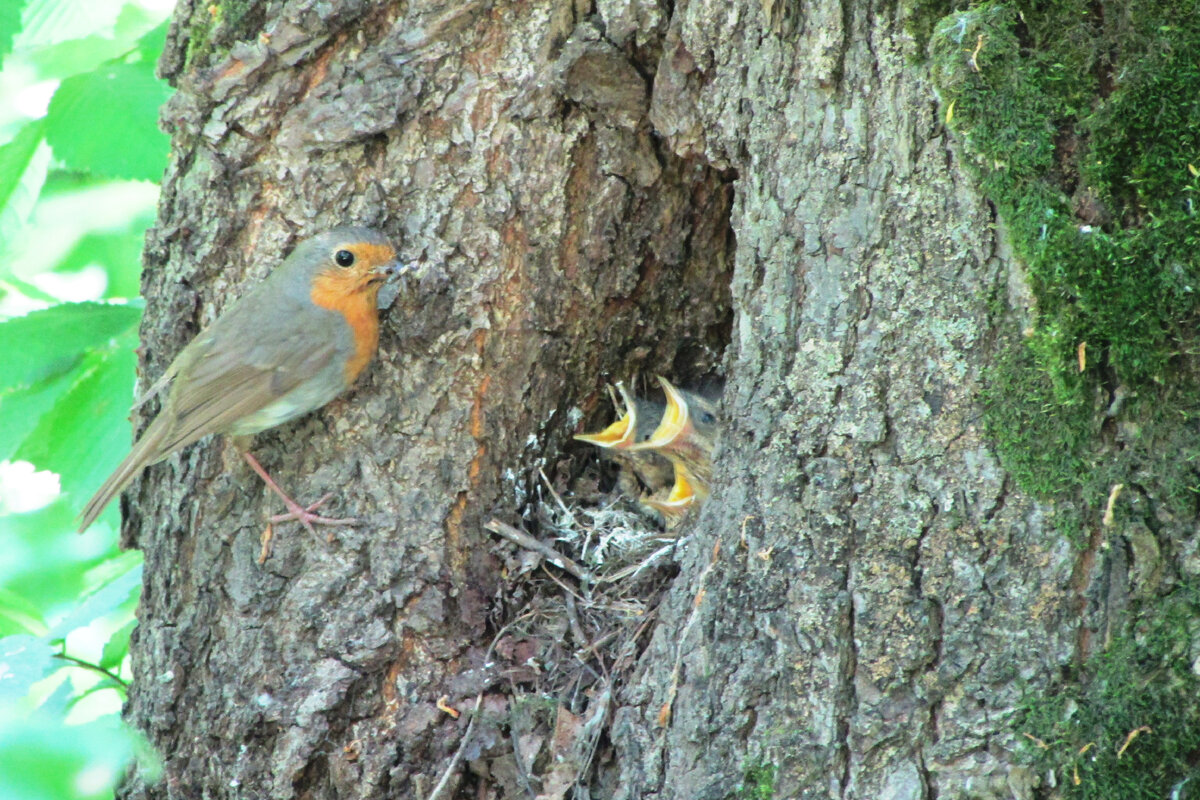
889,594
865,596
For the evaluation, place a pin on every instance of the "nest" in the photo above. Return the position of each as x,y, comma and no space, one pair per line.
576,604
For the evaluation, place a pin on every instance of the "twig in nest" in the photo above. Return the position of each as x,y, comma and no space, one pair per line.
592,648
456,760
556,558
649,561
568,514
554,494
573,620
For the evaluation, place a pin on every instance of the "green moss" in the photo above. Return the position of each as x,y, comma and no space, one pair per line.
1081,122
921,16
1041,441
1143,683
1096,190
1056,449
758,782
217,25
1157,450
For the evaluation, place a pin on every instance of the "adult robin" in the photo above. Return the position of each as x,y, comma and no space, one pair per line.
289,346
686,435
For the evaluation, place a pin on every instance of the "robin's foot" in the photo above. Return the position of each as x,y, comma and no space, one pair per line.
296,511
308,519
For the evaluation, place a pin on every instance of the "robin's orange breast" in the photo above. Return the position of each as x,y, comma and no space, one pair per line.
348,294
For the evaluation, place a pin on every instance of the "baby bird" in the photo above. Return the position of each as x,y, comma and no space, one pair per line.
673,460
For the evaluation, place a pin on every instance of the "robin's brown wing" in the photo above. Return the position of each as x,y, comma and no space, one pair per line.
224,376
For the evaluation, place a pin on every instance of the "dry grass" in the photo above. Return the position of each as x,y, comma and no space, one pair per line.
578,601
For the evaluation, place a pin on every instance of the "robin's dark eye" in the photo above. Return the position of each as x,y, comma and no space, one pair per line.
343,258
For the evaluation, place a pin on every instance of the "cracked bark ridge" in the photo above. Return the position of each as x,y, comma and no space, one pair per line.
561,246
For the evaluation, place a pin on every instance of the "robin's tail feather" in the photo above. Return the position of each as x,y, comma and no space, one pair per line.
146,451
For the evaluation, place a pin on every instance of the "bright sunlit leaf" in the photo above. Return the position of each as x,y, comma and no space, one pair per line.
24,660
48,22
44,560
58,61
21,409
103,601
106,122
41,759
93,411
117,646
151,43
23,163
10,24
45,343
119,253
86,53
18,615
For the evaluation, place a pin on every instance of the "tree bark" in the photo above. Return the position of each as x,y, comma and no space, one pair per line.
873,589
757,192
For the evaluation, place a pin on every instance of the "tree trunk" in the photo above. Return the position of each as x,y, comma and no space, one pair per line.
756,192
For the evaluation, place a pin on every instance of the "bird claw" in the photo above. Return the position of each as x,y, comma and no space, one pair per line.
308,519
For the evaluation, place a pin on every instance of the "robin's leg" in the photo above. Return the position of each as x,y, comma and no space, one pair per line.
295,511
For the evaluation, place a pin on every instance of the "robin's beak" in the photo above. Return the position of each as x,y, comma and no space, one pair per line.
388,271
676,425
621,434
681,497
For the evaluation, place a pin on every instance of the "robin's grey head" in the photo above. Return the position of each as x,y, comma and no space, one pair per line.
345,259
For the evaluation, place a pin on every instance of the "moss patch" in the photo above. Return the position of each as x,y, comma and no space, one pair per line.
1131,729
921,17
758,782
1081,122
1043,443
216,25
1085,133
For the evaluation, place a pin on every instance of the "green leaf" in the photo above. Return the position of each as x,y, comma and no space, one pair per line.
15,157
22,409
23,164
24,660
19,615
150,44
41,758
119,253
93,411
117,647
45,561
47,343
73,56
13,283
59,702
100,603
136,29
10,23
106,122
103,685
48,22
